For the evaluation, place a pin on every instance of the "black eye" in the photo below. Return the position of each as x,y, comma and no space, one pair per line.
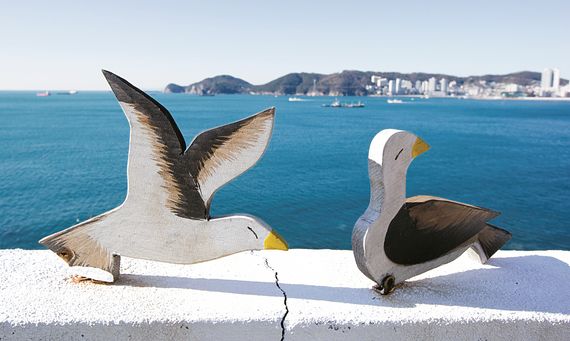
400,152
252,231
65,254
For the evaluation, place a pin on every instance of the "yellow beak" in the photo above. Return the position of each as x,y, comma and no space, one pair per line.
275,242
419,147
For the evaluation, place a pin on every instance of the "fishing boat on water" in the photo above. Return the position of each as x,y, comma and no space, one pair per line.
358,104
43,94
337,104
334,104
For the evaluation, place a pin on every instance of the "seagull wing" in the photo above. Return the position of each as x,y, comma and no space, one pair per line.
428,227
219,155
158,177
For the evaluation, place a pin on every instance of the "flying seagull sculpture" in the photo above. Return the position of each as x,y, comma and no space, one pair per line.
166,213
398,238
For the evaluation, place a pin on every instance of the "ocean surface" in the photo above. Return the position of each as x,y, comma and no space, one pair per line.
63,159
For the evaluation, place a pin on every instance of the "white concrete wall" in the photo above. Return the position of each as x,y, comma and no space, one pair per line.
518,295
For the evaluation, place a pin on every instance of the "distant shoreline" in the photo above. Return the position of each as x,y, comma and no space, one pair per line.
366,83
467,97
545,99
548,99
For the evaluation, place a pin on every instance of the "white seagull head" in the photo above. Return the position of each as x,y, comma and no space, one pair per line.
392,148
248,232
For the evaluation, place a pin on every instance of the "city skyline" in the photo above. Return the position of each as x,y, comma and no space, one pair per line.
548,86
64,45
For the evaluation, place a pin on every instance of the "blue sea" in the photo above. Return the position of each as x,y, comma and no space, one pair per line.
63,159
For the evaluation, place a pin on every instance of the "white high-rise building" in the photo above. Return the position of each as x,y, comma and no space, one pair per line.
398,86
378,80
425,86
550,82
418,85
556,79
443,86
432,84
546,80
391,87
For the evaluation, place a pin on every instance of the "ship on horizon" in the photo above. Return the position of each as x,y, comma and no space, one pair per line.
337,104
68,92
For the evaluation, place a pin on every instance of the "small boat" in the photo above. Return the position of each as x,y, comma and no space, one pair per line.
358,104
395,101
334,104
296,99
43,94
70,92
337,104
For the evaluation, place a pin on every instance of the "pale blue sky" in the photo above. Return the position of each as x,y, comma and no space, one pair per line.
64,44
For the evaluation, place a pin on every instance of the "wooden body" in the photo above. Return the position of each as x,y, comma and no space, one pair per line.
401,238
165,216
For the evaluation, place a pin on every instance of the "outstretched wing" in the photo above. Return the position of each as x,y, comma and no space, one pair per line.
426,228
219,155
157,177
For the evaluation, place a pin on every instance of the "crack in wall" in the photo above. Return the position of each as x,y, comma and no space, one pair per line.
284,299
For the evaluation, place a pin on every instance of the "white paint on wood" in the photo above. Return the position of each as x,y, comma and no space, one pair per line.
390,154
165,215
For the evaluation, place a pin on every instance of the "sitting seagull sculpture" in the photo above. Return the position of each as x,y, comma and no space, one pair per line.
165,216
398,238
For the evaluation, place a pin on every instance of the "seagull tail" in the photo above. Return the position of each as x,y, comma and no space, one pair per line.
490,240
77,247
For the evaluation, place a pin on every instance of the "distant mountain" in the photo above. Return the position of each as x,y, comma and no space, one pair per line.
521,78
345,83
223,84
174,88
293,83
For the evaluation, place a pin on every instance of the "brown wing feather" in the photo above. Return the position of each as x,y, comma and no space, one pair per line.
156,137
157,116
426,228
219,155
190,177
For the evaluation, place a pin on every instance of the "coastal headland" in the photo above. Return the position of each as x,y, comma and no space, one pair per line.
524,84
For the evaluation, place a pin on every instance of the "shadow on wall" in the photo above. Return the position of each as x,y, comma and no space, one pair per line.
525,283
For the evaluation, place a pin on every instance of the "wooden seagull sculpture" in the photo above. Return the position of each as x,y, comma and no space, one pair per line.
165,216
398,238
